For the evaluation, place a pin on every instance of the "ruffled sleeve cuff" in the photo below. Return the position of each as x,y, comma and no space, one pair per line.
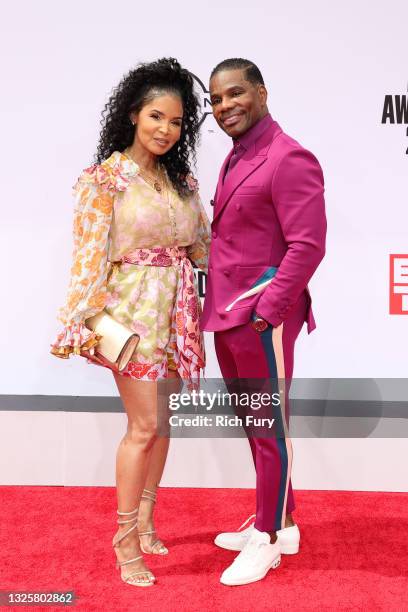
74,339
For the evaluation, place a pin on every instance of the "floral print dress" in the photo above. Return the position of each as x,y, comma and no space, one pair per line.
116,214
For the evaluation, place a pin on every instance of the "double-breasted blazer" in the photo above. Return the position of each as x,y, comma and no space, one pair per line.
268,212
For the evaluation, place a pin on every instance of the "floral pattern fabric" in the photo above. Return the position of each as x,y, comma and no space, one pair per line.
181,339
116,212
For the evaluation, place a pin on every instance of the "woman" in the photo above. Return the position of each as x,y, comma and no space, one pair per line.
138,223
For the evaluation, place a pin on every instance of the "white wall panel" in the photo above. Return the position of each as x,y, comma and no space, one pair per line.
81,452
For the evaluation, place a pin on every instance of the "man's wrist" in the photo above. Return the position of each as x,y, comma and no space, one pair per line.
258,323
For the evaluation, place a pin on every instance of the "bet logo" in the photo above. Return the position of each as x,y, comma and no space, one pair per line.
203,96
399,284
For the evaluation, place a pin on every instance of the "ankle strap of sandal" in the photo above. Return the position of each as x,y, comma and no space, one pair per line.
120,563
151,495
127,513
124,521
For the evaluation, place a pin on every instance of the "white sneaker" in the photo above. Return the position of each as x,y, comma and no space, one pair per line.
254,561
289,538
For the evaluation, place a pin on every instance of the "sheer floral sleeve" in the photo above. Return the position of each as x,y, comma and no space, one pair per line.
94,196
87,289
198,251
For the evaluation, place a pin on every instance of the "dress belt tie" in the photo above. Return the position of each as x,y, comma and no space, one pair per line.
187,307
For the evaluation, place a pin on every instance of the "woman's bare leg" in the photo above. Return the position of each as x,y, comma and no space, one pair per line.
132,462
157,461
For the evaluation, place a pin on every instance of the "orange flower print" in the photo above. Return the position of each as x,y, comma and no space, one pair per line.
99,233
103,202
90,217
74,298
76,269
180,322
94,260
77,224
87,237
97,301
84,196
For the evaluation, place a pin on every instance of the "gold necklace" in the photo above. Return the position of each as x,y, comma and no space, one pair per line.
156,181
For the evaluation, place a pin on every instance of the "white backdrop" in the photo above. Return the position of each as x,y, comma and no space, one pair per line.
327,67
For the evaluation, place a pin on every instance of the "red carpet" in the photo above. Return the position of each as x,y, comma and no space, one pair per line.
354,553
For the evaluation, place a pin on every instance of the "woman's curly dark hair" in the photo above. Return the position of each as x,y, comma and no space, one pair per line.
138,87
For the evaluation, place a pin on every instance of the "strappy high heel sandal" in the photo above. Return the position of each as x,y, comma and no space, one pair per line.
116,544
157,548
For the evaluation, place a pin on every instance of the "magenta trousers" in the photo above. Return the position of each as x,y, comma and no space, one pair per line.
244,354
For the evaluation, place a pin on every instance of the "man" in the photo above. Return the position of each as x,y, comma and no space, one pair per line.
268,237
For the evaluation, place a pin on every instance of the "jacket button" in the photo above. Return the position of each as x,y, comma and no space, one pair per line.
214,234
227,272
228,239
238,206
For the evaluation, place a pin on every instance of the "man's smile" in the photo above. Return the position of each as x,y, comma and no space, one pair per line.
232,118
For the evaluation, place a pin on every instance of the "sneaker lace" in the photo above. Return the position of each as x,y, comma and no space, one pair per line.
251,550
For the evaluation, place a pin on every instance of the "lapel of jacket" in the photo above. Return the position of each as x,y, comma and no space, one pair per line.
219,184
254,157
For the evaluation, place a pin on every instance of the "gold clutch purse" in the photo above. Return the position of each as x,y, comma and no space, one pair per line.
116,345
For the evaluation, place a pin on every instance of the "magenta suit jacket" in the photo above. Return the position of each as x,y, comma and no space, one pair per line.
269,212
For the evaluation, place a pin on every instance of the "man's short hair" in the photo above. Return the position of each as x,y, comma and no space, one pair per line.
252,72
